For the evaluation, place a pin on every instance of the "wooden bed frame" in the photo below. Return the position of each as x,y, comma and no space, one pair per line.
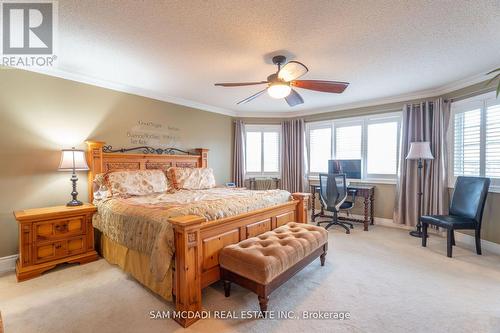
197,241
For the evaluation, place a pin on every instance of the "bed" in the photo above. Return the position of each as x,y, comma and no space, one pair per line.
188,228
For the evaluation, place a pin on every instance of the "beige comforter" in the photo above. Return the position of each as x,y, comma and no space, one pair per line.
141,222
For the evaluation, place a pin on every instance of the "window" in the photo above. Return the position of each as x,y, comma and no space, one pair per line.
467,143
254,151
372,139
382,148
320,149
492,144
348,142
476,138
262,149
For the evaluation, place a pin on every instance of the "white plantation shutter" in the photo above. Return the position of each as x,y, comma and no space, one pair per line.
348,142
320,149
382,148
253,151
476,138
262,147
467,145
372,139
493,140
271,151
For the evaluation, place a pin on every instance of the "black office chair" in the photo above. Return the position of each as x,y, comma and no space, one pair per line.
332,194
466,211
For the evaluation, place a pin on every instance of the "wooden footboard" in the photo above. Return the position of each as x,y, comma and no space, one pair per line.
197,246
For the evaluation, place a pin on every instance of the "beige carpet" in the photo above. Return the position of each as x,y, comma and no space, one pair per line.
383,277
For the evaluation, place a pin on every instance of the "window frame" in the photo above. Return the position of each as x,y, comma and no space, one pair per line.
482,101
364,121
263,128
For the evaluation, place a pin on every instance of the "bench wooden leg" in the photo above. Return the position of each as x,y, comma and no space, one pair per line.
227,288
263,303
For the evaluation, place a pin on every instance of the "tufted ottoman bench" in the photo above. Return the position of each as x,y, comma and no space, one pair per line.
263,263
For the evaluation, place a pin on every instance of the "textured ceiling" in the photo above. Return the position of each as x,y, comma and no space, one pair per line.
177,50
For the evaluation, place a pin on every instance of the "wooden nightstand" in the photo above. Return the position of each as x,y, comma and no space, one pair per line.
54,235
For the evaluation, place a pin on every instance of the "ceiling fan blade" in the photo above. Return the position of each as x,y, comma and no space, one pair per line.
248,99
292,70
228,84
294,98
324,86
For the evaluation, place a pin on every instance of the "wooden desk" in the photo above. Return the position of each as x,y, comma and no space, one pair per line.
365,191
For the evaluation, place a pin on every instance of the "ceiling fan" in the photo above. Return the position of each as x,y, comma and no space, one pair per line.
279,84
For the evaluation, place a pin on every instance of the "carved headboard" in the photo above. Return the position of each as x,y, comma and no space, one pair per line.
102,158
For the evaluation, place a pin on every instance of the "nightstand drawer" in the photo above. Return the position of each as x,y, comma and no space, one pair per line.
55,229
50,251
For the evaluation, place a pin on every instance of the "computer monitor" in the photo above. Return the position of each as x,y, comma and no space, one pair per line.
351,168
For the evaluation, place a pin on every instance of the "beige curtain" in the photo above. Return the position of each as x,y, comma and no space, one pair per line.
292,161
239,154
426,121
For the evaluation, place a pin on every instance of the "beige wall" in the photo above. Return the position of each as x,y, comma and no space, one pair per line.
39,115
491,227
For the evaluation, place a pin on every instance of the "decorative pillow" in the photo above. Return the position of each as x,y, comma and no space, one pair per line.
136,182
99,187
191,178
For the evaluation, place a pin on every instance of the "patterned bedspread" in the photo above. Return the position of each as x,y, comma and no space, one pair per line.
141,222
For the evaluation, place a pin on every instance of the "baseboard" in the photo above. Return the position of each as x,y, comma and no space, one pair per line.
459,237
384,222
390,224
8,264
471,242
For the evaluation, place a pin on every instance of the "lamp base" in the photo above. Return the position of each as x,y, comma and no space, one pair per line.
73,203
417,233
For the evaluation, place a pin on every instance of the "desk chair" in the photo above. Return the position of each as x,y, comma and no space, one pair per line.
348,205
333,195
466,211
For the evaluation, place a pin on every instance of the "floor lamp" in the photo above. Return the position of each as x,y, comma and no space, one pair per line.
419,151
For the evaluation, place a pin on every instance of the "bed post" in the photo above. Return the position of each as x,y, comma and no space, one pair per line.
94,160
301,208
204,157
188,264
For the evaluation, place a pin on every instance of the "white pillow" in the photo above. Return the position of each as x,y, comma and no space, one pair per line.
136,182
191,178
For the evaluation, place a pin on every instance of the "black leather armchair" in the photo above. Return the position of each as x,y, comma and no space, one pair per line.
466,211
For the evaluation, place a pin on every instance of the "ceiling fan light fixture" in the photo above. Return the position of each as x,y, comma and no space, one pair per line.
279,90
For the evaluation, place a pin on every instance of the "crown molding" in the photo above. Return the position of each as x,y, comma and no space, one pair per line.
428,93
81,78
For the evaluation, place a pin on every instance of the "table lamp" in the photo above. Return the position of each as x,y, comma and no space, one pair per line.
73,160
419,151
